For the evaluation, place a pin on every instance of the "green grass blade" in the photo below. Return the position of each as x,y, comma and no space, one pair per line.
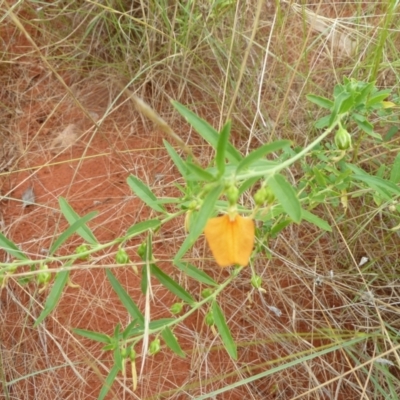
195,273
126,300
11,248
207,132
96,336
395,171
199,222
71,216
261,152
54,296
171,342
224,331
108,382
171,285
141,227
286,196
80,223
144,193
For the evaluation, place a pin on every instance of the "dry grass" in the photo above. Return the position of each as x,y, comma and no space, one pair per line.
63,64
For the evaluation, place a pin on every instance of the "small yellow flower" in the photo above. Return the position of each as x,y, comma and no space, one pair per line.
231,239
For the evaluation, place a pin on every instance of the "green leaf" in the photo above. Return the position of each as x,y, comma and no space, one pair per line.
382,186
247,184
171,342
71,216
224,331
286,196
126,300
96,336
171,285
378,97
261,152
341,101
222,144
159,323
391,132
8,246
199,222
313,219
195,273
179,163
108,382
320,101
207,132
80,223
141,227
54,296
395,172
368,128
323,122
200,173
144,193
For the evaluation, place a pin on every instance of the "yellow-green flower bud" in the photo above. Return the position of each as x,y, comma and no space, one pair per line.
154,347
142,250
342,139
132,355
83,248
264,195
209,320
206,293
176,308
122,257
256,281
44,276
232,194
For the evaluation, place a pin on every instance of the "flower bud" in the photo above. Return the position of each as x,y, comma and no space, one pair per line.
83,248
176,308
44,276
206,293
256,281
122,257
342,139
142,250
264,195
154,347
232,194
209,320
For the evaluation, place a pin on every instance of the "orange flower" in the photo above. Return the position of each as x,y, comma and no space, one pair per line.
231,239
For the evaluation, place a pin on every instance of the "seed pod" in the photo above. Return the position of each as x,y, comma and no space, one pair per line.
122,257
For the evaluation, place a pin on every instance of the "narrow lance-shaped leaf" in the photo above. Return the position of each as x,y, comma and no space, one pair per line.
286,196
8,246
199,173
206,131
126,300
179,163
54,296
96,336
78,224
322,102
141,227
224,331
261,152
71,216
171,342
197,227
222,144
171,285
195,273
108,382
144,193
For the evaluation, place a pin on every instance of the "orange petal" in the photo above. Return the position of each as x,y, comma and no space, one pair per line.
231,242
